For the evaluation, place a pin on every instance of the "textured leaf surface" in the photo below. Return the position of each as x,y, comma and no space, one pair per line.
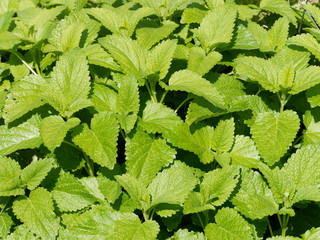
258,70
35,172
36,212
303,167
26,135
308,42
128,53
136,190
185,234
24,96
200,62
222,139
229,225
244,152
22,232
216,27
5,223
128,96
186,80
255,199
53,130
146,156
159,59
273,134
100,142
218,184
148,36
70,194
172,185
312,132
280,7
69,87
128,226
305,79
10,177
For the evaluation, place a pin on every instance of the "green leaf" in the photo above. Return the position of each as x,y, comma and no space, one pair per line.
259,70
36,212
10,177
159,59
53,130
5,20
122,20
70,194
22,232
222,139
216,27
5,223
128,53
280,7
35,172
244,39
24,96
128,226
312,234
172,185
254,199
186,80
98,56
182,234
302,167
305,79
244,152
314,11
76,29
278,34
193,15
307,41
273,134
91,224
150,35
217,185
312,132
136,190
69,87
146,156
100,142
229,225
104,98
8,40
24,136
128,96
200,62
110,189
157,117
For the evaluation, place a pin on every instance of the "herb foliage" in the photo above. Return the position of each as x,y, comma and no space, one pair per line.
155,119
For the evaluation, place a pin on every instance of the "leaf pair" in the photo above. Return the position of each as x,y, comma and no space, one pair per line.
166,192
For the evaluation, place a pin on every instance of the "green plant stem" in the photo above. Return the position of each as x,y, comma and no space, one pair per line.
181,104
280,221
89,163
269,226
151,93
24,62
163,96
200,220
38,69
4,207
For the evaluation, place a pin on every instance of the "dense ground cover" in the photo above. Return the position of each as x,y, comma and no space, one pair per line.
158,119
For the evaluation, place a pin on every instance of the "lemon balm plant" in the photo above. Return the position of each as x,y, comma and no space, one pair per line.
184,119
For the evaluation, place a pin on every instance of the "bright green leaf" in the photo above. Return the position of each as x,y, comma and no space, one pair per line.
146,156
229,225
53,130
10,177
100,142
273,134
222,139
69,87
35,172
70,194
36,212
